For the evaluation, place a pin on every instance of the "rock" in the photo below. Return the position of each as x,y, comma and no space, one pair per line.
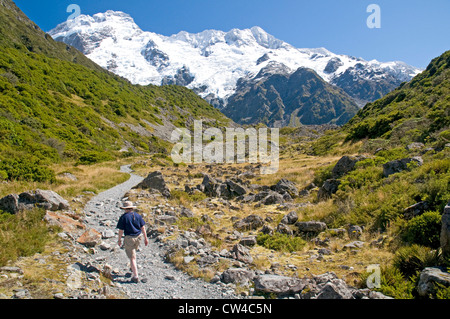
397,166
329,187
108,234
248,241
415,146
186,212
429,277
165,220
66,222
267,230
311,226
235,188
241,276
250,222
105,246
285,186
90,238
290,218
324,251
11,269
68,176
415,210
155,181
284,229
345,165
354,245
280,285
337,289
188,259
354,232
241,253
46,199
445,230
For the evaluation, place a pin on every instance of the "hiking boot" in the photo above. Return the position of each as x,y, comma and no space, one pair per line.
135,280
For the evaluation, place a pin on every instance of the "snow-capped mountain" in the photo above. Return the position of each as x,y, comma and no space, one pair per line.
212,62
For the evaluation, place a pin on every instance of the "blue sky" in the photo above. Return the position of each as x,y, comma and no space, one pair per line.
413,31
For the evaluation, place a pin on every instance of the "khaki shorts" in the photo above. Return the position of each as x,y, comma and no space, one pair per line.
131,245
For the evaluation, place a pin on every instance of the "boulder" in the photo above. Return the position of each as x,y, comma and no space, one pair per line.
290,219
235,188
186,212
397,166
66,222
90,238
155,181
336,289
428,279
248,241
329,187
285,186
46,199
241,253
354,232
445,230
345,165
280,285
165,220
250,222
311,226
284,229
241,276
416,209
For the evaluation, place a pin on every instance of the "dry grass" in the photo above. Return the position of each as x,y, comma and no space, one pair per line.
94,178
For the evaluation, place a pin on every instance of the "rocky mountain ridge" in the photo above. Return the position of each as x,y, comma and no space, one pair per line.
213,62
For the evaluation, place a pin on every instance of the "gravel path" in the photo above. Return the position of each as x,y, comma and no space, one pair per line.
163,280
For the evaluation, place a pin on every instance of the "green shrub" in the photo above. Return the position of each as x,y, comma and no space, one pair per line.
410,260
94,157
395,285
424,230
26,169
280,242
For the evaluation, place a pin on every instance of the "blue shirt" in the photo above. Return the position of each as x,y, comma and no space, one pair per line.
131,224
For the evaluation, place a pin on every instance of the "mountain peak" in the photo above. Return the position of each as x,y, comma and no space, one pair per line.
213,60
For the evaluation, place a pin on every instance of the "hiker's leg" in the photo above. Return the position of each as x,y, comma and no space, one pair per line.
134,268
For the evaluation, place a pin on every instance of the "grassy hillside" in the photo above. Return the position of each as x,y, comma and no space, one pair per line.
56,105
413,120
418,111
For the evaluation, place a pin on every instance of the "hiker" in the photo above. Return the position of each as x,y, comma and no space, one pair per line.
132,225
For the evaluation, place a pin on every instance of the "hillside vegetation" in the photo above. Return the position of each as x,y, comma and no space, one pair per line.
56,105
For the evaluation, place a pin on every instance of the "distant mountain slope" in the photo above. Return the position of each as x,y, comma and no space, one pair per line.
416,111
213,62
281,99
52,109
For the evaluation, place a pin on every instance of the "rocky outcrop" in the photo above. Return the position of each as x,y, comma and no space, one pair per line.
46,199
428,279
397,166
280,285
325,286
250,222
311,227
155,181
216,188
345,165
329,187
